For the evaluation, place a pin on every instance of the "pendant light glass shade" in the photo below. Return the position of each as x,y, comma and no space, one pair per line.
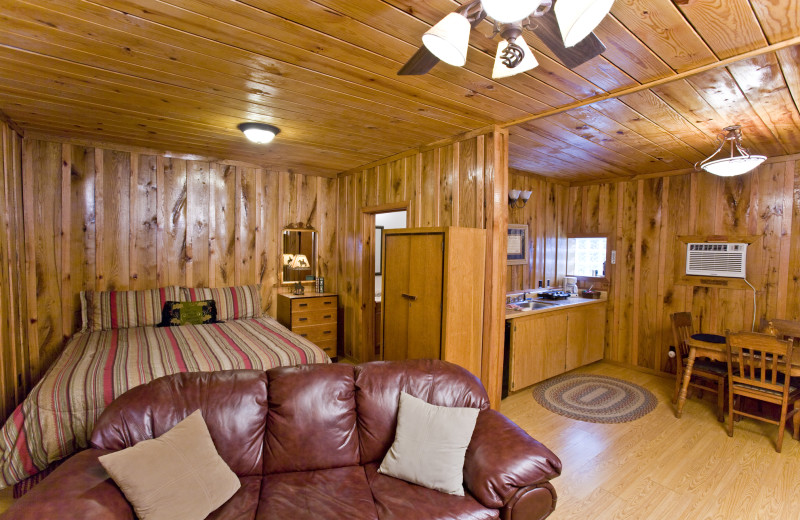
259,133
448,40
578,18
508,11
502,71
735,164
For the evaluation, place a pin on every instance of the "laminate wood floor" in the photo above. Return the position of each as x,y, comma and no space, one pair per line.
660,467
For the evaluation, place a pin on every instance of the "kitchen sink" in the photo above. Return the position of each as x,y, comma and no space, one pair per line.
532,306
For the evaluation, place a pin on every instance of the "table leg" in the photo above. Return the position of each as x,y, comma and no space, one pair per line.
687,375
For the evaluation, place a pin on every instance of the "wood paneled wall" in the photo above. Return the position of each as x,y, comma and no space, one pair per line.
14,358
99,219
645,217
450,184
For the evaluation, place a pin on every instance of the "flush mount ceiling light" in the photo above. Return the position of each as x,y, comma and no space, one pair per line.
259,133
578,18
448,40
735,164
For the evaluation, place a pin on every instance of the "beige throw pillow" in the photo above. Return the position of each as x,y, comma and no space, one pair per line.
430,444
177,475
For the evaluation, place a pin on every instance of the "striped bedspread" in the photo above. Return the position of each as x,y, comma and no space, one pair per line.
57,417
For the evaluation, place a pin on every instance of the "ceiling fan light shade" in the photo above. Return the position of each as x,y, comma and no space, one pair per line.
528,61
578,18
732,166
259,133
448,40
508,11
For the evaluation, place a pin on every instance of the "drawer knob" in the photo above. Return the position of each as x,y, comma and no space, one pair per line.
303,305
326,317
327,332
408,296
327,302
302,319
303,335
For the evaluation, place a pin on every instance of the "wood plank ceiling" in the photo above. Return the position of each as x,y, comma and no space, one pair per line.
179,75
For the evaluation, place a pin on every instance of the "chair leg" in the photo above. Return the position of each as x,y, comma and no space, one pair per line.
781,427
796,422
678,378
730,413
721,400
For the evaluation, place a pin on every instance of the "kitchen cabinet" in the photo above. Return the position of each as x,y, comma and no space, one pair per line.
432,294
550,342
312,316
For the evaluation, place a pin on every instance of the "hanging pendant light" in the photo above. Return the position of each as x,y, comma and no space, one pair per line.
735,164
448,40
578,18
513,57
508,11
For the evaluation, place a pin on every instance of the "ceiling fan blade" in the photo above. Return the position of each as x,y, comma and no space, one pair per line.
420,63
546,28
423,60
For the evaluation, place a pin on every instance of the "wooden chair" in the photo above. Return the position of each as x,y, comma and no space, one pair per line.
706,374
787,329
754,371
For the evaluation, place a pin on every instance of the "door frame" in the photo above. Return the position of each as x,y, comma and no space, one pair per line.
368,274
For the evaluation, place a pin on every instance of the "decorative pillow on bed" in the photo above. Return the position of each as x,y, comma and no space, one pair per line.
201,312
430,444
105,310
177,475
233,303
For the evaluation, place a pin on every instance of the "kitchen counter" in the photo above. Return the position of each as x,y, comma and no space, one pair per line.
555,305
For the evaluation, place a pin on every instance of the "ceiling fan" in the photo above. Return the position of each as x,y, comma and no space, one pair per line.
566,29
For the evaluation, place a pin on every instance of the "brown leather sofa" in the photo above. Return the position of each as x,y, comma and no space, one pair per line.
306,443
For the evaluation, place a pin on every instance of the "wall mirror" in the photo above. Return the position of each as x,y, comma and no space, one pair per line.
299,255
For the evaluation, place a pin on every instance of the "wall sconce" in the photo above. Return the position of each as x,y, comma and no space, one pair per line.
515,196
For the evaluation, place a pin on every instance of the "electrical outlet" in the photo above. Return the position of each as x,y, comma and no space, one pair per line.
613,257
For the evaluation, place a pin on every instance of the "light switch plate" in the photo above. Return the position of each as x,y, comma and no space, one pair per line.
613,257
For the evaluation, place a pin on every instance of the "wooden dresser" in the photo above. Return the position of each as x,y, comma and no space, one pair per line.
312,316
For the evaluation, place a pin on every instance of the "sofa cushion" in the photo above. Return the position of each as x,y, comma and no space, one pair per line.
179,474
399,500
233,403
241,505
311,422
429,445
379,385
329,494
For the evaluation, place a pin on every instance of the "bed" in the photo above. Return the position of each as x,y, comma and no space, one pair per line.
57,417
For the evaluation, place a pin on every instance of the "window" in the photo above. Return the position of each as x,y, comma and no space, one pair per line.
587,256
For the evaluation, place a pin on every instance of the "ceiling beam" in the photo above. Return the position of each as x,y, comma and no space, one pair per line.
656,83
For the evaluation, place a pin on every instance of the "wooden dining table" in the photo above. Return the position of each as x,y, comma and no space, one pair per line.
716,352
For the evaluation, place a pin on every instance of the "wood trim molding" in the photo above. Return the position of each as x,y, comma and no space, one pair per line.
656,83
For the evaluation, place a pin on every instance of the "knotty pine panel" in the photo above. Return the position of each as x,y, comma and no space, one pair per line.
644,218
101,219
15,376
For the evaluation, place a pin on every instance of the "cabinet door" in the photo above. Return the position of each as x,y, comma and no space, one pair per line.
412,296
538,346
596,336
576,338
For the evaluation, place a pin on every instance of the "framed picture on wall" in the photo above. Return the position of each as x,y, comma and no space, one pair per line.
378,257
517,245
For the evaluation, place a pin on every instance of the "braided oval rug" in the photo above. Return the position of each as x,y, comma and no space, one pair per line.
593,398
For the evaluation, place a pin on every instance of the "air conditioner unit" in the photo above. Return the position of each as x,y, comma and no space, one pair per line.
716,259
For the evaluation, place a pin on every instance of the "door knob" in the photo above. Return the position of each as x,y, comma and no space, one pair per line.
408,296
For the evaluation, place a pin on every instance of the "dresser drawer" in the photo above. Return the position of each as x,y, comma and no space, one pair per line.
301,319
329,346
317,333
314,304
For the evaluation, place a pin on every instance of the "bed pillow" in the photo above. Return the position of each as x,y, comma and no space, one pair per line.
105,310
175,314
177,475
233,303
430,444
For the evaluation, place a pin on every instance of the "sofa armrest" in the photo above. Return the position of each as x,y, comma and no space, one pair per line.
78,489
503,459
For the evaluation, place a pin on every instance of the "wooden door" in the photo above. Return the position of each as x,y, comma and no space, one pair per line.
412,296
596,333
